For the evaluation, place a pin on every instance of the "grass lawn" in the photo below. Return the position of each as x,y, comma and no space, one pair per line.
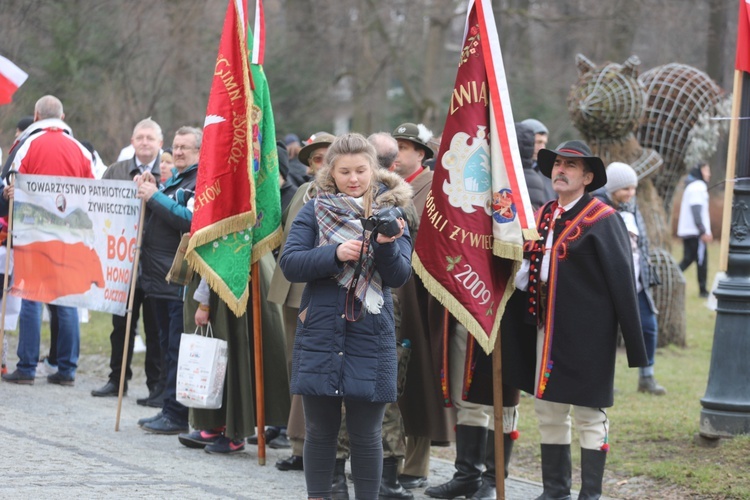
654,436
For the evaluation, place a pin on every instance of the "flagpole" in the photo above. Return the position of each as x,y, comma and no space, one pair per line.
260,405
734,129
131,298
6,278
497,385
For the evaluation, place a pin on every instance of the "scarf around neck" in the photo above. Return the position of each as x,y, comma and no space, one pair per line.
338,221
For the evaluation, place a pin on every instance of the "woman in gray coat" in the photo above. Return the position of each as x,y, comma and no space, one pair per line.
345,345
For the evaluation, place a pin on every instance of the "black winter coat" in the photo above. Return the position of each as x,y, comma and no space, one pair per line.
168,218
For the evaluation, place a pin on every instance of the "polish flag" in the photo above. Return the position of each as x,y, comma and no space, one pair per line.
11,77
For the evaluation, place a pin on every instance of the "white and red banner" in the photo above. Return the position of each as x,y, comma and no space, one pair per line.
11,77
74,241
478,213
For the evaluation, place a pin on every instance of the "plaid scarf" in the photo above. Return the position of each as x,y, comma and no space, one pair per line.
338,221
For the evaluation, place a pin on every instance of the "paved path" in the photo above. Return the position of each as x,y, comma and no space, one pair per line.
59,442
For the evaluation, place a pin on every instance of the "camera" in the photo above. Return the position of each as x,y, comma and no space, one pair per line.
384,222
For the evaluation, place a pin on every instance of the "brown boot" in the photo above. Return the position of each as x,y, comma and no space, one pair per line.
648,384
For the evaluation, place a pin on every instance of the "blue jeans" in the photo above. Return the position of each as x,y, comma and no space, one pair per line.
30,333
168,314
649,327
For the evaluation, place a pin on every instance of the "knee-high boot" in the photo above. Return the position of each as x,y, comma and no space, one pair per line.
556,472
488,489
390,487
592,473
339,488
471,442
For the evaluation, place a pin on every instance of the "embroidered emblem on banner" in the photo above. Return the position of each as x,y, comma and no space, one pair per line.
503,208
468,165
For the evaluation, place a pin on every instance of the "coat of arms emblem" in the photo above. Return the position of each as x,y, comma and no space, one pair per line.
468,165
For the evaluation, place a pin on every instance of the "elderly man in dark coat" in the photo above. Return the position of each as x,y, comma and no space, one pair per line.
559,330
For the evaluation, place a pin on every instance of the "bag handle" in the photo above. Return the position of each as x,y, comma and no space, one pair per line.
209,331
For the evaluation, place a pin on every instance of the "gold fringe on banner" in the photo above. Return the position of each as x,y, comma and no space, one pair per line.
530,234
507,250
487,342
238,305
268,244
233,224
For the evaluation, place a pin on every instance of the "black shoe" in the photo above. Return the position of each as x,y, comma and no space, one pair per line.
271,434
199,439
411,482
225,445
292,463
18,378
110,389
704,294
146,420
155,398
280,442
58,379
165,425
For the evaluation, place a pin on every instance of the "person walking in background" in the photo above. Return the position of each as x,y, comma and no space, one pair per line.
345,345
576,285
147,139
47,147
694,224
622,182
168,218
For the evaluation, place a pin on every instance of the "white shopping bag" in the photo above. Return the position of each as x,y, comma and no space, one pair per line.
201,368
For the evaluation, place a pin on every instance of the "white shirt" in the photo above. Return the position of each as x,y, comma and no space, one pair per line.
696,193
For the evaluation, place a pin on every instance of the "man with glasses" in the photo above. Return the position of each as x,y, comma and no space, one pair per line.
170,212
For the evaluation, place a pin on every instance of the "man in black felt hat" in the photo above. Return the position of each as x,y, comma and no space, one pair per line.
559,329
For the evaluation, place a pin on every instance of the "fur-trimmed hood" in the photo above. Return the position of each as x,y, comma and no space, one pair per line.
392,190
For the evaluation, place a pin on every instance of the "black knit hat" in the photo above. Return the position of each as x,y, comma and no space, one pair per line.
24,123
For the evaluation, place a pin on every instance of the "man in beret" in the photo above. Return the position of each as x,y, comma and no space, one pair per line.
575,287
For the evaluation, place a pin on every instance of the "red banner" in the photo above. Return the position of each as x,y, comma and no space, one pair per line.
477,214
224,171
742,60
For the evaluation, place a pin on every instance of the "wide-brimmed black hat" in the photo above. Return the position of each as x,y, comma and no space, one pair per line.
573,149
418,135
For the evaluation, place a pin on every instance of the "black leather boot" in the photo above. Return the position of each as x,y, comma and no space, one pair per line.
390,487
339,488
471,443
488,489
556,472
592,473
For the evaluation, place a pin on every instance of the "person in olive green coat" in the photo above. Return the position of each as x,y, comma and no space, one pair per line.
224,430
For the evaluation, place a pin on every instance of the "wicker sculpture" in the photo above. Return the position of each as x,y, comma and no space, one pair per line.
681,102
607,105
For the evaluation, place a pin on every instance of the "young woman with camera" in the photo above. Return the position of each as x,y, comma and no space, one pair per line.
345,345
